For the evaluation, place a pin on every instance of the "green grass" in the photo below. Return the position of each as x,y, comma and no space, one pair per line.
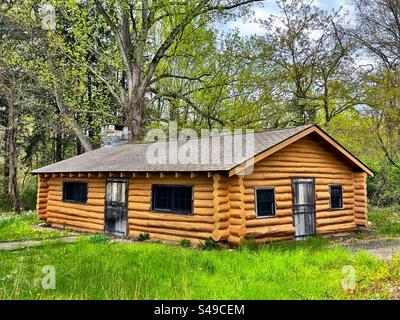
96,268
102,270
20,227
385,221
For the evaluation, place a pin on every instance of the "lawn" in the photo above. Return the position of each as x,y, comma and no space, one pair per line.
21,227
94,268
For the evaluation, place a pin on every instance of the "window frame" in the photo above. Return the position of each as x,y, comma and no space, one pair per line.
330,196
173,211
75,201
256,206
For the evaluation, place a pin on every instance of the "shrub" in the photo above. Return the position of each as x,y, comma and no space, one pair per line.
144,236
28,198
6,202
209,244
99,238
185,243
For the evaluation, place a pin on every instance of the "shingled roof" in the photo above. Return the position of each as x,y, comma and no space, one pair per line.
132,157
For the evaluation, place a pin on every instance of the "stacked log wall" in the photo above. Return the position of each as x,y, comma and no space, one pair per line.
41,200
237,213
306,158
360,199
171,227
87,217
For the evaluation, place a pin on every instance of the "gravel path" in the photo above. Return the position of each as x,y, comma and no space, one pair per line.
15,245
382,249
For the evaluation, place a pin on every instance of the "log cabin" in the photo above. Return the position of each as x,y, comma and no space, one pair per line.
302,182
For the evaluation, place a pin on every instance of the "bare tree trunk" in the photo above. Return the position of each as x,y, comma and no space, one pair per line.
6,166
134,110
13,156
59,155
84,140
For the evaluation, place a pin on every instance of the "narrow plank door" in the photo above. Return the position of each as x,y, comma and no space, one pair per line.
304,206
116,207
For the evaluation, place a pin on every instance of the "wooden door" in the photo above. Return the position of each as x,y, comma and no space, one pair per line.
115,221
304,206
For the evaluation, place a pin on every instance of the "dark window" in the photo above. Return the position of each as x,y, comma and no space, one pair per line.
75,192
336,193
177,199
265,202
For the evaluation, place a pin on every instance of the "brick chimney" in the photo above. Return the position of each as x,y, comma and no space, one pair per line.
113,135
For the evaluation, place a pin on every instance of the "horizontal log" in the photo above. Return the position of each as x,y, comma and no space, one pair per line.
361,222
203,211
261,222
222,224
170,217
139,193
69,217
235,240
181,233
81,207
335,220
237,213
139,199
221,216
74,212
72,224
218,235
203,188
174,225
75,228
165,237
267,239
336,228
139,206
304,163
237,230
208,196
277,230
334,213
204,203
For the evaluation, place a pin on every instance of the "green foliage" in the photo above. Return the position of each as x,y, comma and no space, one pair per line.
385,221
185,243
209,244
6,202
99,238
28,198
143,236
21,227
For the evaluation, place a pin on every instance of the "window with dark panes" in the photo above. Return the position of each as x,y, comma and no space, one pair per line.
176,199
336,195
75,192
265,202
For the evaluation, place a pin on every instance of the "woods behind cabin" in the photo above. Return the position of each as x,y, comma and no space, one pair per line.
75,66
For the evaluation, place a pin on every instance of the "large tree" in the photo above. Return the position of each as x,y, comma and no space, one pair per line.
148,34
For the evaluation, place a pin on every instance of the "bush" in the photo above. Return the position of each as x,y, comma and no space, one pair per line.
209,244
99,238
6,202
185,243
144,236
28,198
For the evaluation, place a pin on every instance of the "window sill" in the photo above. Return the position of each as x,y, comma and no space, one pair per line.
336,209
75,202
266,217
172,212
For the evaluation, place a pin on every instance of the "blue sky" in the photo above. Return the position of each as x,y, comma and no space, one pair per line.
269,7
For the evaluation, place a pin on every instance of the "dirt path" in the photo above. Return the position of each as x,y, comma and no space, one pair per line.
15,245
381,248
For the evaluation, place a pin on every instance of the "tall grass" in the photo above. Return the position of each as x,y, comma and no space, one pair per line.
20,227
88,270
385,221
